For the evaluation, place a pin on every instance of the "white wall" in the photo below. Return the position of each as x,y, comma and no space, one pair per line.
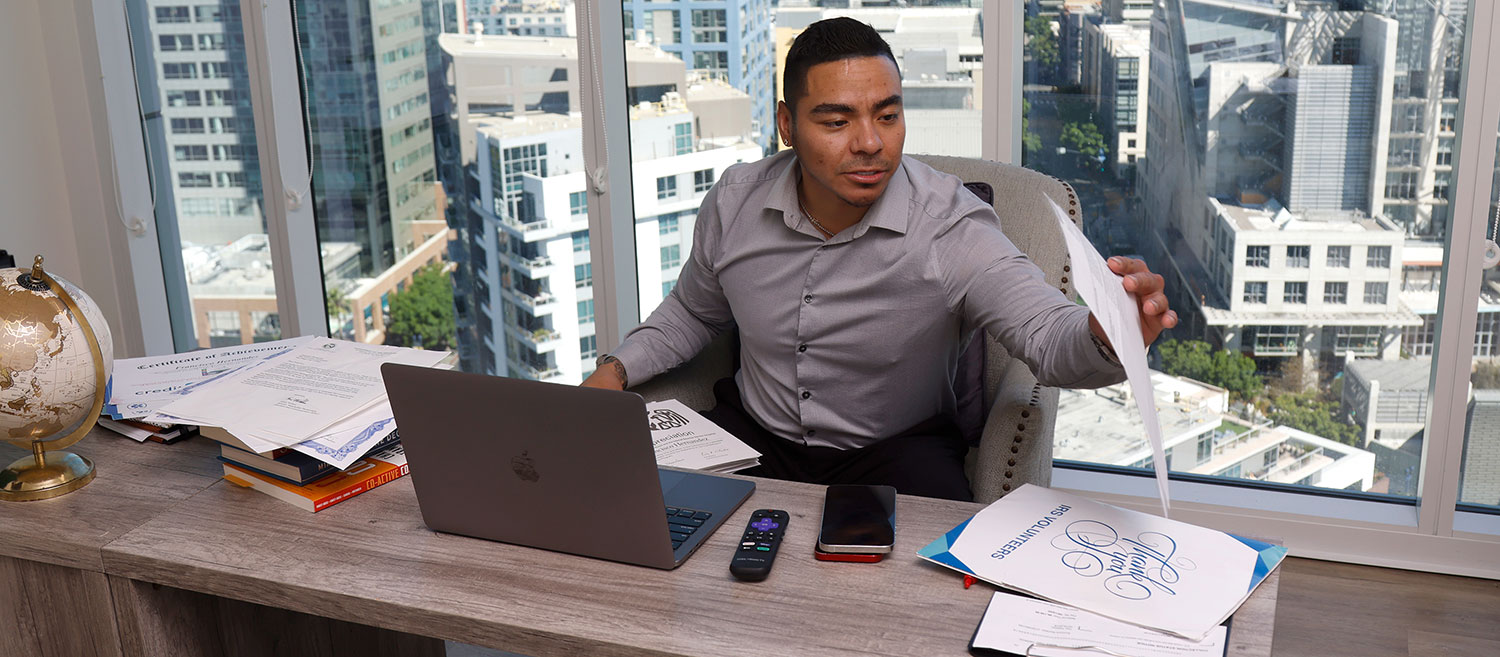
34,211
57,194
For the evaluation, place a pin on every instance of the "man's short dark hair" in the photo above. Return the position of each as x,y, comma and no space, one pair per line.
828,40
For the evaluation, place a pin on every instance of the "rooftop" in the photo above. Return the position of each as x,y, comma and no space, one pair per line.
1104,426
1405,374
1273,217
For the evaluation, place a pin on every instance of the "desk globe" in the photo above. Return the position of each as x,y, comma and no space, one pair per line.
55,358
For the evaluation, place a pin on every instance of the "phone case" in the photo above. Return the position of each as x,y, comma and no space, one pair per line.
846,556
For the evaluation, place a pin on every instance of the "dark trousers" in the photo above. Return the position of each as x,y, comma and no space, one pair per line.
926,460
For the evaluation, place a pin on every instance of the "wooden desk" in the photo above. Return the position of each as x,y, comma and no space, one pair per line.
54,599
230,571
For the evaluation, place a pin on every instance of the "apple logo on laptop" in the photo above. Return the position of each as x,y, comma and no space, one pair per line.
525,468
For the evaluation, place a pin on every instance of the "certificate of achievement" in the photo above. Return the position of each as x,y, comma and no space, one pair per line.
1130,566
139,386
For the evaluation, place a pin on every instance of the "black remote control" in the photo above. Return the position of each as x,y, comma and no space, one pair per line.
757,550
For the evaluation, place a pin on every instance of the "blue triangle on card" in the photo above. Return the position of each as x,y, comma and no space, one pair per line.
1268,556
938,549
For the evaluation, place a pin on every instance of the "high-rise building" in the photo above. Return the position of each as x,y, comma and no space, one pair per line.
1267,215
515,101
728,40
370,122
1419,168
197,65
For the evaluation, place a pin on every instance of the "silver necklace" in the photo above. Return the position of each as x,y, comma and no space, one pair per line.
813,219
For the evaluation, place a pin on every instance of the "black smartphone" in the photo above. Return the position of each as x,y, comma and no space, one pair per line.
858,520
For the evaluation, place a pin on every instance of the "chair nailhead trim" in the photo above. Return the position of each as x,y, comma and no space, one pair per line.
1015,450
1018,439
1011,462
1025,413
1005,487
1020,427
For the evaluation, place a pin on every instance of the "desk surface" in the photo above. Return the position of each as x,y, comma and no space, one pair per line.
134,483
371,560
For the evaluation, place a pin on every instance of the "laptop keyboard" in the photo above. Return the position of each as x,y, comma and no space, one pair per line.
683,522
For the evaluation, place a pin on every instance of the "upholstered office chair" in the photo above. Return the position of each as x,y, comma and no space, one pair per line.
1015,441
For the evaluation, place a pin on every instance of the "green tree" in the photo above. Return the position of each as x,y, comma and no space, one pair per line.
1030,141
1084,138
337,305
423,314
1305,411
1195,359
1040,42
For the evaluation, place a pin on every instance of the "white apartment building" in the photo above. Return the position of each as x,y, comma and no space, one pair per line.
1319,285
1103,426
1116,73
533,273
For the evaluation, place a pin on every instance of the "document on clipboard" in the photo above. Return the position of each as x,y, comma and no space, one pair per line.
1021,626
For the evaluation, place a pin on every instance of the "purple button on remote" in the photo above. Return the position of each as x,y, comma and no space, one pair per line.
765,524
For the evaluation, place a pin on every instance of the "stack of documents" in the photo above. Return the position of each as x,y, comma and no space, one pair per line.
320,397
684,439
1134,567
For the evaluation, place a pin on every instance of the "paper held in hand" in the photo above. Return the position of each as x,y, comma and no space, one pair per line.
684,439
1133,567
1119,314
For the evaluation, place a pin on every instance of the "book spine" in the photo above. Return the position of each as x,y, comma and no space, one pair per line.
373,482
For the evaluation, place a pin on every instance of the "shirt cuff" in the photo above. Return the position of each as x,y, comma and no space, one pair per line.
636,361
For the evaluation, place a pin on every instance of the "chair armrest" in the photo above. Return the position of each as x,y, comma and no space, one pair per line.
692,383
1016,447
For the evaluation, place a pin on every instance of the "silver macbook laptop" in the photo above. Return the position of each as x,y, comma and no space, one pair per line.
550,466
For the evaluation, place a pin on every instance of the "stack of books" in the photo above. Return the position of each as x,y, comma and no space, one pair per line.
304,420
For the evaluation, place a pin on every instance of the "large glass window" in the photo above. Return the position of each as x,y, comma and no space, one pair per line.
1257,126
205,171
1479,483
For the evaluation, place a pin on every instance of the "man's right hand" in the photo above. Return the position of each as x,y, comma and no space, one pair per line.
610,376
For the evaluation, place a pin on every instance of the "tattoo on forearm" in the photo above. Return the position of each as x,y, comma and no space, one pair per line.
619,370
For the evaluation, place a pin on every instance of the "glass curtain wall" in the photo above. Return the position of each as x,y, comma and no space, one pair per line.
1479,485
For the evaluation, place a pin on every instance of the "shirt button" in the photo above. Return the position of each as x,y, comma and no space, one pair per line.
801,348
812,432
806,395
807,299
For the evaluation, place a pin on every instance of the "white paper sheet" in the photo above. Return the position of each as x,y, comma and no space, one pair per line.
1014,624
140,386
299,394
1119,315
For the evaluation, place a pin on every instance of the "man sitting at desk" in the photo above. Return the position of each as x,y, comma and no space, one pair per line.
856,277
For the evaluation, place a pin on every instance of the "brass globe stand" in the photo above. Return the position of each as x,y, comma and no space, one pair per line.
48,473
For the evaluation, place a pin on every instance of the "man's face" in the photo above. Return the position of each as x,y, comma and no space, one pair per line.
848,130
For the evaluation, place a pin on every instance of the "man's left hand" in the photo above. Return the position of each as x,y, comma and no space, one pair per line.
1146,288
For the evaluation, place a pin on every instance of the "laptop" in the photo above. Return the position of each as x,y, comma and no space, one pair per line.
550,466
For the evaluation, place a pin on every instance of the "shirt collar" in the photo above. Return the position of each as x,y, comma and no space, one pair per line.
892,211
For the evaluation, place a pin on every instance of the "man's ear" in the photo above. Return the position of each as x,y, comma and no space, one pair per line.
784,122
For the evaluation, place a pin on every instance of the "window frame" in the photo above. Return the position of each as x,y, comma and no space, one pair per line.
1429,533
